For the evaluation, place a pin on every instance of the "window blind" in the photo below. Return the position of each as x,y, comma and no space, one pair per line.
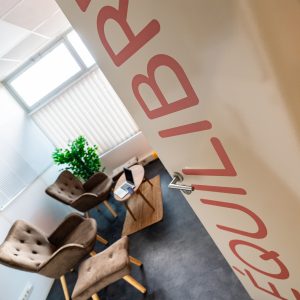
91,108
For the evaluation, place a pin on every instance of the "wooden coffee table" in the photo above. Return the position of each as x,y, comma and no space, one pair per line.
138,174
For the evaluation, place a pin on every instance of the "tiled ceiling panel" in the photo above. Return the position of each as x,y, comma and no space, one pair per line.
10,36
54,26
6,5
24,50
31,13
27,26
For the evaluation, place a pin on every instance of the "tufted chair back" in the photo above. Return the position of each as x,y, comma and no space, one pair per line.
83,197
67,188
29,249
25,247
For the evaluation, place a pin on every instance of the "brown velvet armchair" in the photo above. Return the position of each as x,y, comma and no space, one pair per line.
69,190
28,249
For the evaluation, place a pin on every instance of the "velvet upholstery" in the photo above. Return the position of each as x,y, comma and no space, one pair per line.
83,197
29,249
106,267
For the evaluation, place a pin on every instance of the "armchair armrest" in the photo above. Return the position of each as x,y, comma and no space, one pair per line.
94,180
63,260
86,202
65,228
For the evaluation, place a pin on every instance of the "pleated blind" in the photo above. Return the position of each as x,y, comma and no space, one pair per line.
91,108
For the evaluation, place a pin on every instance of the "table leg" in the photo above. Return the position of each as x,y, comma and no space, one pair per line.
129,210
145,199
149,181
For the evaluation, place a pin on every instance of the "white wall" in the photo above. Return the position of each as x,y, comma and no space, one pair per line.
33,204
136,146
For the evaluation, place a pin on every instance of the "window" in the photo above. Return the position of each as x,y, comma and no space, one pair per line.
64,107
49,72
79,46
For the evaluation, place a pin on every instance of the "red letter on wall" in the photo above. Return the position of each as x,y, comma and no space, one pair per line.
274,292
261,227
135,41
296,294
228,166
83,4
162,60
265,256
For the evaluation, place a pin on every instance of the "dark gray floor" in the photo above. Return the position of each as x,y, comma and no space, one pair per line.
181,262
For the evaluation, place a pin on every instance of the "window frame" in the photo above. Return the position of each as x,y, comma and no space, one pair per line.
59,89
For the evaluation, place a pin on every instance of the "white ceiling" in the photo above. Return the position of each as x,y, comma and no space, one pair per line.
26,26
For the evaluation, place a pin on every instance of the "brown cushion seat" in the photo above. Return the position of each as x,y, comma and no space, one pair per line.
102,269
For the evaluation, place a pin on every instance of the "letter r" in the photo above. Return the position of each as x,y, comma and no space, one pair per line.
135,41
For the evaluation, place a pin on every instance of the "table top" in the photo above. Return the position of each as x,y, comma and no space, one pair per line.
138,174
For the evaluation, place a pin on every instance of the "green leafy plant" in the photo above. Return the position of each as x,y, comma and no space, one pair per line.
80,158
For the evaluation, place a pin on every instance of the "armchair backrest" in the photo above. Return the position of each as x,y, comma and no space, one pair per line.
67,188
25,247
83,197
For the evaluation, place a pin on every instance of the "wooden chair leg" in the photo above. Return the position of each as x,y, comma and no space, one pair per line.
134,283
108,206
95,297
135,261
101,240
64,287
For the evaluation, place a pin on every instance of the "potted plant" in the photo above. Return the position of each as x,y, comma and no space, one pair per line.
79,158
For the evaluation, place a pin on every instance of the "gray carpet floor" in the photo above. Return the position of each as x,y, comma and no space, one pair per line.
181,262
